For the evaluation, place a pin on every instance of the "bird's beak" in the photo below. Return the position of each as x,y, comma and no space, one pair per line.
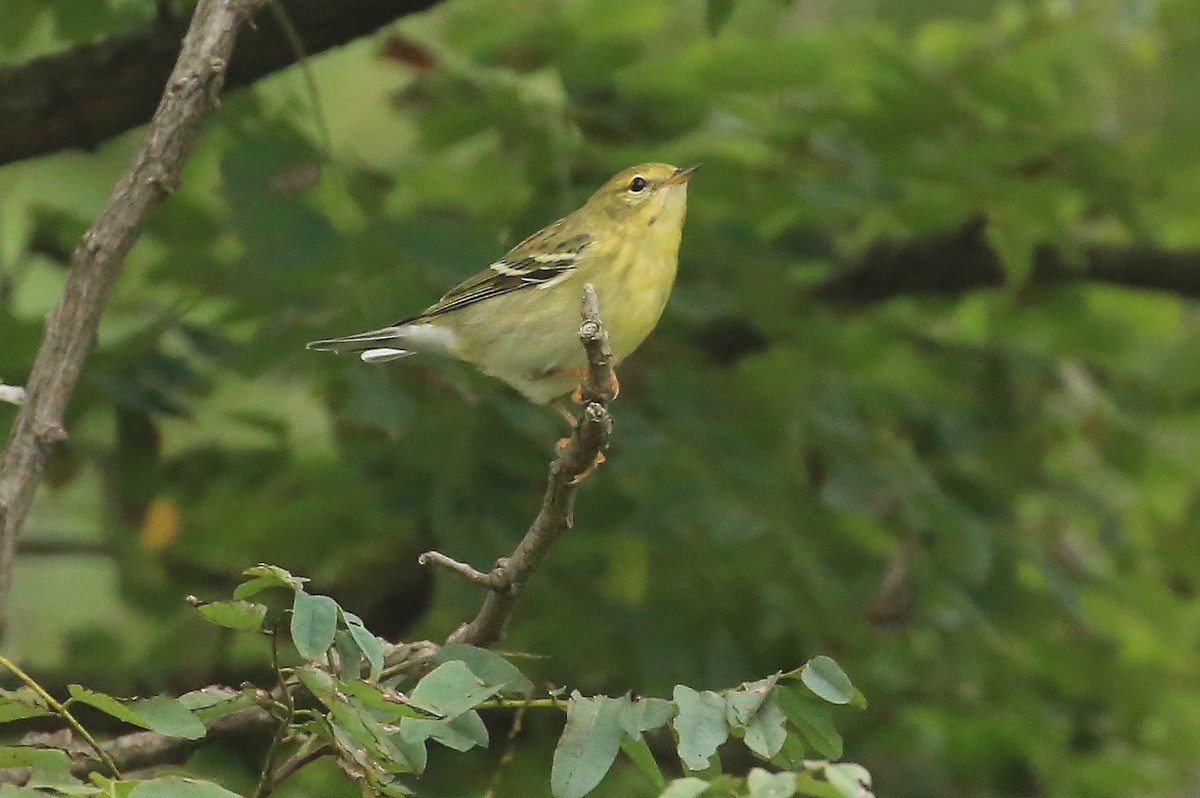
681,175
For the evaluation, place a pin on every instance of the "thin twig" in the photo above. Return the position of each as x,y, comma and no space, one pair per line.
574,461
266,782
189,98
461,568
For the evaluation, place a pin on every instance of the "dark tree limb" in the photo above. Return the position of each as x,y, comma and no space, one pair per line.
189,97
91,92
955,262
576,458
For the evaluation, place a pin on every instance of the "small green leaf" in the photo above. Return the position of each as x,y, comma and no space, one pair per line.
170,717
367,643
741,704
245,616
265,577
392,702
700,725
451,689
49,767
687,787
825,678
771,785
765,733
643,714
314,623
588,746
216,702
490,667
107,704
461,733
851,780
21,703
177,787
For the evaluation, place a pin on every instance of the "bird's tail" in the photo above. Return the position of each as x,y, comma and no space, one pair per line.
389,343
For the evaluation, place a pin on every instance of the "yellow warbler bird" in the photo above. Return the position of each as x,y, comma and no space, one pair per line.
518,319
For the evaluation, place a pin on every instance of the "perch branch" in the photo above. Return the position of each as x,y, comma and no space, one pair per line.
575,459
189,97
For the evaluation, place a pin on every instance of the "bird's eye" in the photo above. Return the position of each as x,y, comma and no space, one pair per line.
637,184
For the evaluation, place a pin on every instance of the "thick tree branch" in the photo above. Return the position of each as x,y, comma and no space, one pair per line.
576,458
82,96
189,97
961,260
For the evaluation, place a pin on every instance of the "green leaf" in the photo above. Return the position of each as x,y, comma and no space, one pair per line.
107,704
765,733
814,721
314,623
367,643
588,746
245,616
643,714
392,702
265,577
21,703
771,785
700,725
49,767
451,689
170,717
461,733
792,755
825,678
742,704
215,702
637,750
687,787
851,780
489,666
178,787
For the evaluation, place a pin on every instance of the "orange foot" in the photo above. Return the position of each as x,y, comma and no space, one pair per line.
600,458
614,387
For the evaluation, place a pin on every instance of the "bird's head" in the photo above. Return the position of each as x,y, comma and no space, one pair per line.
642,191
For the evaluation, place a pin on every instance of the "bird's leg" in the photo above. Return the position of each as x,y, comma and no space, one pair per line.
614,387
558,405
600,458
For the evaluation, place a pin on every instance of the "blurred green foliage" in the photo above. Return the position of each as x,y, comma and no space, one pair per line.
984,507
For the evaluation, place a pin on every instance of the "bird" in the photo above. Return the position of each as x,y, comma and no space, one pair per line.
518,319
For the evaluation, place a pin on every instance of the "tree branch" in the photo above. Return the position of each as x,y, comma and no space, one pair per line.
577,457
91,92
189,97
953,262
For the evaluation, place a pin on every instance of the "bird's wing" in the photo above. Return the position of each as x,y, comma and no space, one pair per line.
537,262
